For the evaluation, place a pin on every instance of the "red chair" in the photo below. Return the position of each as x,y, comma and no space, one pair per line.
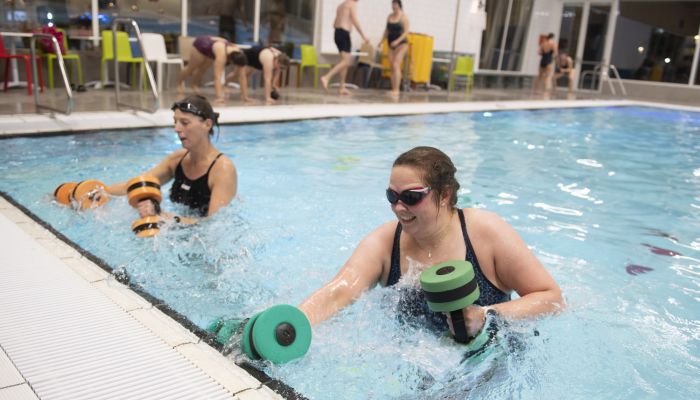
27,67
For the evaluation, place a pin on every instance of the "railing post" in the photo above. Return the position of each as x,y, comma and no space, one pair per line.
61,66
146,65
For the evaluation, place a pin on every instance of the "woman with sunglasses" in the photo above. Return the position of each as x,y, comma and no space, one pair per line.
430,229
205,179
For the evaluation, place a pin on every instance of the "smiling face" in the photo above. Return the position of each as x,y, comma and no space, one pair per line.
191,129
413,217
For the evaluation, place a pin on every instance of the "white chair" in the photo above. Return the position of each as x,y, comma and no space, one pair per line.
154,46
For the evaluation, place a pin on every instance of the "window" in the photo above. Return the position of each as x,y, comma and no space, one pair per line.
655,40
507,23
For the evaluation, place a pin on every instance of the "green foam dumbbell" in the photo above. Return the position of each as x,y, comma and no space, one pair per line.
450,287
279,334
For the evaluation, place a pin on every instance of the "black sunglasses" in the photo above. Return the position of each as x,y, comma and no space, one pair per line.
409,197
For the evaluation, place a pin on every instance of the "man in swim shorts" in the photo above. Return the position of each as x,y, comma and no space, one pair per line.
345,19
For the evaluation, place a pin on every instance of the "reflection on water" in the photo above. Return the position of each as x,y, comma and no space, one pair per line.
606,198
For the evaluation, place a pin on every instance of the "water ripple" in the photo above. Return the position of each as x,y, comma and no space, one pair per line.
558,210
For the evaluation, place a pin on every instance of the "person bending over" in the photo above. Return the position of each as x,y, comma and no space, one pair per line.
271,62
564,67
430,229
205,180
207,51
345,19
396,34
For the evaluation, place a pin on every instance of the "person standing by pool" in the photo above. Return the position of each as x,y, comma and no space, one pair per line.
430,229
345,19
547,51
396,34
205,52
215,182
271,61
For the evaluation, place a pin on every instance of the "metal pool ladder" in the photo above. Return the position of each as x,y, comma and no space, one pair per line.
61,66
149,72
596,75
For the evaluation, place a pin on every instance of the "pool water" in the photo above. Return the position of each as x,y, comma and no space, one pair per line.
607,198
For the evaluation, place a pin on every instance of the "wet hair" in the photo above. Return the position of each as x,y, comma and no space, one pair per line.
283,60
199,106
550,36
436,170
397,2
238,58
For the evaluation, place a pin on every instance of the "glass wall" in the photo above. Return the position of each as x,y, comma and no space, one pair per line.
230,19
152,16
507,22
655,40
287,23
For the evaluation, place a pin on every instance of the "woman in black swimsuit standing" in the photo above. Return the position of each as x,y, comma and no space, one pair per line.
396,34
205,179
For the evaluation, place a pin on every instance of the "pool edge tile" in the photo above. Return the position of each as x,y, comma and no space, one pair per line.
262,393
222,370
166,328
19,392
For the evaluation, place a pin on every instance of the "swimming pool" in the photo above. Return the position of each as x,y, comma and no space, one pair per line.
599,194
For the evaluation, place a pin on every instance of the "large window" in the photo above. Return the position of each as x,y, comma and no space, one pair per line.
230,19
656,40
507,23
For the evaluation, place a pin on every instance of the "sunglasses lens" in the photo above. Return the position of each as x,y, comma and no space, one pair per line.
411,198
392,196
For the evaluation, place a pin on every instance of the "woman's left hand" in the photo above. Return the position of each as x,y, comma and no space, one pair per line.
474,318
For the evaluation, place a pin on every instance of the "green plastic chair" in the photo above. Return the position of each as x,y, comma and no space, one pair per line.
123,53
309,59
464,67
66,57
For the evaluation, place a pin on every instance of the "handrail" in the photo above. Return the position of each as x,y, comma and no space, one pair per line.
61,66
596,74
151,81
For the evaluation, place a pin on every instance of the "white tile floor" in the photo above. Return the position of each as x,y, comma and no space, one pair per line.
70,331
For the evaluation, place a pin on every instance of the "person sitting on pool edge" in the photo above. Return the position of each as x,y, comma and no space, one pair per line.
430,229
214,179
271,61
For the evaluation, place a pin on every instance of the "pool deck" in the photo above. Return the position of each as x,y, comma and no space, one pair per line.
70,330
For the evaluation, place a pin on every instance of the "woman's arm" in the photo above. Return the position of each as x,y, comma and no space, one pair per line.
243,82
516,268
223,184
164,171
220,57
361,271
268,60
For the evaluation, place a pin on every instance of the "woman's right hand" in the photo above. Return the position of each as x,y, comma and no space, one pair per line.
146,208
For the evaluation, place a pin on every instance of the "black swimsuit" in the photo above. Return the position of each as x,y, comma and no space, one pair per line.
194,193
253,55
394,31
412,302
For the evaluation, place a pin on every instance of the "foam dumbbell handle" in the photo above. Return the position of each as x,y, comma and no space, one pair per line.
459,327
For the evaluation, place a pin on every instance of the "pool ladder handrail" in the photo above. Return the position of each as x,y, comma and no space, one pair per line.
61,66
147,65
596,75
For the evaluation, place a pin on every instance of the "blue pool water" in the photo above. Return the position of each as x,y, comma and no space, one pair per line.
607,198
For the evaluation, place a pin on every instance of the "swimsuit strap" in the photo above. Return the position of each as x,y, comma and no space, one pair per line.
212,163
